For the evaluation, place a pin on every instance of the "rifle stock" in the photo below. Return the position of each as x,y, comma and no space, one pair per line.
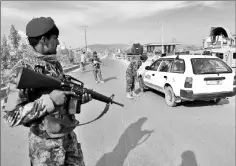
30,79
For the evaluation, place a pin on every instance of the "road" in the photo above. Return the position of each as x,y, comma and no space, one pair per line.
194,133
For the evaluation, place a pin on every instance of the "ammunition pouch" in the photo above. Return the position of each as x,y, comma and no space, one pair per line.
56,128
63,120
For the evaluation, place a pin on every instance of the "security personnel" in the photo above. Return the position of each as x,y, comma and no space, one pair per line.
51,140
96,62
131,76
82,60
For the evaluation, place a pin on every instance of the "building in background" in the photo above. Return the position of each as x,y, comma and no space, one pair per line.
169,48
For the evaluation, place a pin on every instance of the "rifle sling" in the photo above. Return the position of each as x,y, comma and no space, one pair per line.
103,112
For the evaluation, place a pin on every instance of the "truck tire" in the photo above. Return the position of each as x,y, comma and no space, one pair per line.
170,97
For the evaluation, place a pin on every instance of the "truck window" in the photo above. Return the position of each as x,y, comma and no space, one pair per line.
234,55
220,55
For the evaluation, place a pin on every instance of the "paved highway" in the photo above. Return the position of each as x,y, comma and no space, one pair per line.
146,132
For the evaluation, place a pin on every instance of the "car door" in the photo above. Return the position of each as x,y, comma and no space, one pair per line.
162,74
177,75
149,75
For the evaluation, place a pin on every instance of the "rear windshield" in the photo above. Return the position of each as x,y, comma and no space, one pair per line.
209,66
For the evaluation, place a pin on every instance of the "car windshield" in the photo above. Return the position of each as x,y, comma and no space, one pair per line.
209,66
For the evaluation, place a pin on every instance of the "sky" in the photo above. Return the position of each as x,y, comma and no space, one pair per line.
123,22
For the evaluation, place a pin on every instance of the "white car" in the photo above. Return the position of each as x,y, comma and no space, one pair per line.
190,77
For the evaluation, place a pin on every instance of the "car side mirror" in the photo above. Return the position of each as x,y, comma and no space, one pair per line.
147,68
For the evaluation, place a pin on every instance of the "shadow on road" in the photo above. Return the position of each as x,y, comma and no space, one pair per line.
196,103
86,71
156,92
109,78
188,159
127,142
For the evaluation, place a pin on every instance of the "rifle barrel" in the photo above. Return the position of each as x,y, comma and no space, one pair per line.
122,105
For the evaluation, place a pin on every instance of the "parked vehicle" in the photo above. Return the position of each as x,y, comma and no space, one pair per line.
221,43
119,56
189,78
136,49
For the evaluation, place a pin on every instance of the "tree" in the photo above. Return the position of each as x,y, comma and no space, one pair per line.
14,37
5,54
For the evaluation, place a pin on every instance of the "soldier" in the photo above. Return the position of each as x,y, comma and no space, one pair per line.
131,76
96,62
51,140
82,60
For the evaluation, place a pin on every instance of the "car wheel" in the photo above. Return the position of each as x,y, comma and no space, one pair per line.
170,97
215,101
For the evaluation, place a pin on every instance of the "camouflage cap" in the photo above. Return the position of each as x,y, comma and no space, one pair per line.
39,26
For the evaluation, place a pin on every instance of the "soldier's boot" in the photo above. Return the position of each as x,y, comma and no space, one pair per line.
135,95
96,82
129,96
102,81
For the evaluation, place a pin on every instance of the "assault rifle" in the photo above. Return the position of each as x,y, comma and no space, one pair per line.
30,79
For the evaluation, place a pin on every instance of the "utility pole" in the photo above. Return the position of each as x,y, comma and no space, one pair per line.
162,48
85,36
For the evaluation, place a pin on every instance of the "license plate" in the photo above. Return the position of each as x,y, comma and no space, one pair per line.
218,82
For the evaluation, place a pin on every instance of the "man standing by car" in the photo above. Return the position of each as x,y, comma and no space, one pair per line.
131,76
51,140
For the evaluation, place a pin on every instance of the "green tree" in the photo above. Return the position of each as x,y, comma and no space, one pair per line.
14,37
5,54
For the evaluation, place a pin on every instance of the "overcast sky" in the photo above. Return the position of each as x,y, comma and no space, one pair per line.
124,21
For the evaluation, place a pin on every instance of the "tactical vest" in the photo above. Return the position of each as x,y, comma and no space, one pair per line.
61,122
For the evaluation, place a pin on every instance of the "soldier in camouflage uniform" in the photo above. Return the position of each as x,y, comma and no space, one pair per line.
52,142
131,76
96,62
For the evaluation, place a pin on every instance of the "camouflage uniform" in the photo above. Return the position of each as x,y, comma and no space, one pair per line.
131,75
97,68
21,109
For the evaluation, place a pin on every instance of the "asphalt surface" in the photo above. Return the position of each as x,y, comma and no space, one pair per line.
145,132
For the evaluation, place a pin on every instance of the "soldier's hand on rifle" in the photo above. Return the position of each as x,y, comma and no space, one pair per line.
86,98
59,97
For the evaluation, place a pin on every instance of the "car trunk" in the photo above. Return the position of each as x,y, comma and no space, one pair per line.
211,75
211,83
